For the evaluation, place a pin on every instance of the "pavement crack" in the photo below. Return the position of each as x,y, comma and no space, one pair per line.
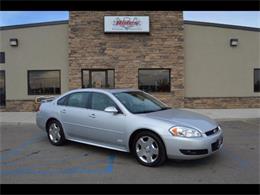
36,152
21,158
5,150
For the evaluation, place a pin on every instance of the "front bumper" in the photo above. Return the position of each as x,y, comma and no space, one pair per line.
193,148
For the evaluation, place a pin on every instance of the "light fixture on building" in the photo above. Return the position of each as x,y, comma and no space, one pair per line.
233,42
13,42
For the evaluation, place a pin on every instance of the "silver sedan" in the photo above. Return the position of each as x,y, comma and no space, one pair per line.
129,120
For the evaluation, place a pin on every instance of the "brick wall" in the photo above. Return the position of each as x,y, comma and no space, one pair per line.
222,102
18,106
214,103
91,48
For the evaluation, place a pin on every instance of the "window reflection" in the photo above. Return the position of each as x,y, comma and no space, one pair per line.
98,79
154,80
42,82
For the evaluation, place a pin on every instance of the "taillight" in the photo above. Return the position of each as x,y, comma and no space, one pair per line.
38,107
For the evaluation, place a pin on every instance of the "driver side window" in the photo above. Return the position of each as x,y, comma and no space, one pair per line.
101,101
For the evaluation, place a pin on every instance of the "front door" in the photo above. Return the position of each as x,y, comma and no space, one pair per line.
107,128
2,88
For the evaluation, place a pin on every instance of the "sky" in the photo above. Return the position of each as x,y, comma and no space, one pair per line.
241,18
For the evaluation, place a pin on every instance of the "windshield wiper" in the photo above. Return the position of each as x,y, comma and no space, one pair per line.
165,108
145,112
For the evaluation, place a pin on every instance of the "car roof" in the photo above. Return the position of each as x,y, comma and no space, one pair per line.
115,90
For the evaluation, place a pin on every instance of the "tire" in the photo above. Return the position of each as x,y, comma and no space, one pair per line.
55,133
148,149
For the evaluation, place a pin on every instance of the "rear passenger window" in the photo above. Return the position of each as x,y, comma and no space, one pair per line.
78,100
101,101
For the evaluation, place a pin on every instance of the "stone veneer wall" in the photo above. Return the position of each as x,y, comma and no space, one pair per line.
205,103
91,48
19,106
222,102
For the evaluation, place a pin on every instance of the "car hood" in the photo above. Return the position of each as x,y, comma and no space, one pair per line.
184,118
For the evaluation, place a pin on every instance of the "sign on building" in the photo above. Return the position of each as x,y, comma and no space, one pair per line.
126,24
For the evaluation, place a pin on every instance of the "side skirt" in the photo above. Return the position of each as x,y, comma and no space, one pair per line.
99,145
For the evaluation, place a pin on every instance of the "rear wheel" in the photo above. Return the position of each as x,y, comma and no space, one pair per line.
55,133
148,149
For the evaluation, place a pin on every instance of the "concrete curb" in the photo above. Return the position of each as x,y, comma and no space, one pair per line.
218,114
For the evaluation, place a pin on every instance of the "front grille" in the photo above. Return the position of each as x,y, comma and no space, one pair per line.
194,152
212,132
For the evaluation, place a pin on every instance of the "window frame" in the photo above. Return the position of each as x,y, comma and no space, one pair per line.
28,81
97,70
169,69
254,80
4,105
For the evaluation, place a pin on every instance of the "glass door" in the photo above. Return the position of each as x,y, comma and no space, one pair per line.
98,79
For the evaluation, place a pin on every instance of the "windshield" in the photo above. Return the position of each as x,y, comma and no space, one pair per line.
139,102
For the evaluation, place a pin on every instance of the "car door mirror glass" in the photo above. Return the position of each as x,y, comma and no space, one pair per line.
111,109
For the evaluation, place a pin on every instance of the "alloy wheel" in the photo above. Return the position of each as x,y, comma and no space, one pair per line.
54,133
147,149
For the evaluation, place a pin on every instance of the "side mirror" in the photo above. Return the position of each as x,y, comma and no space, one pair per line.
111,109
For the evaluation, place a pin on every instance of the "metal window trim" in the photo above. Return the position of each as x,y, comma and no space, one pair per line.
254,80
97,70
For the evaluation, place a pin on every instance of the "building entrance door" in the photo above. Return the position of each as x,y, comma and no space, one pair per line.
98,79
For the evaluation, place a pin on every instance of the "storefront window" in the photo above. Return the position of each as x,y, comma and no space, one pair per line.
98,79
257,80
44,82
2,88
154,80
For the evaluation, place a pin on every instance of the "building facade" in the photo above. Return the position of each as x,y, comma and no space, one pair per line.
183,63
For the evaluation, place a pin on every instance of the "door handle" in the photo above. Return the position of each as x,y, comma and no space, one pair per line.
92,116
63,111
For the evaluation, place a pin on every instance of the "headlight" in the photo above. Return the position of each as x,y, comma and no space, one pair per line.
184,132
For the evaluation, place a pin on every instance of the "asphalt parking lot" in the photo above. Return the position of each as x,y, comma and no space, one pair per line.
28,157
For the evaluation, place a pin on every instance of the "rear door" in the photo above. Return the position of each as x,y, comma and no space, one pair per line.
74,114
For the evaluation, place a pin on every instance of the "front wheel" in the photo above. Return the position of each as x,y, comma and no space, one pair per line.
55,133
148,149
